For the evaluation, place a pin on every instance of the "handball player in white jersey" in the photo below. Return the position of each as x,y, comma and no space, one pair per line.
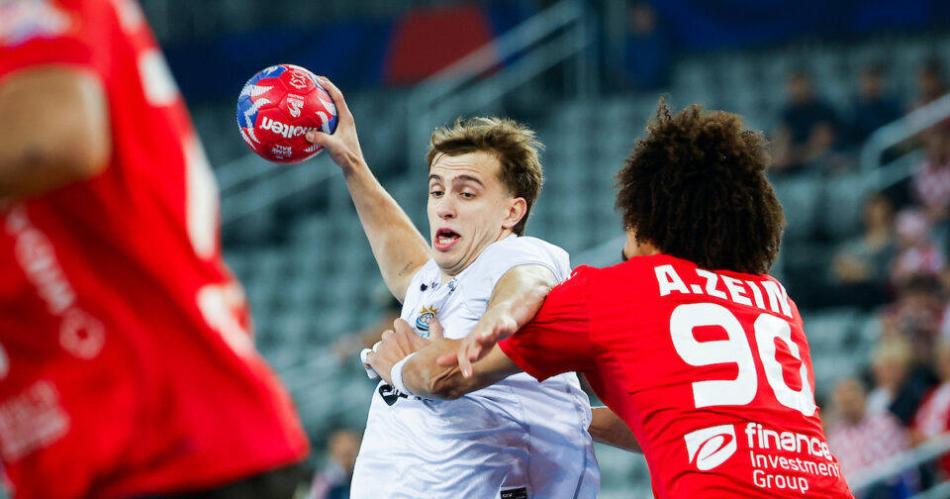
519,438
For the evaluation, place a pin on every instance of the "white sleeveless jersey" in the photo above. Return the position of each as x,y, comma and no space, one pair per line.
516,439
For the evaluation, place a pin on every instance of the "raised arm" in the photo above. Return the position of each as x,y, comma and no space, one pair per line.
399,248
55,129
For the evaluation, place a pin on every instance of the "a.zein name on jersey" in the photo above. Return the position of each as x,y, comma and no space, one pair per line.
766,295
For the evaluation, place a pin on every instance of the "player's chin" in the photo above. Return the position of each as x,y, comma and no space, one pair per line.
447,261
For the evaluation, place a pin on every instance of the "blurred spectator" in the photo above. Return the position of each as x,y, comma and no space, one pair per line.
889,365
915,316
647,51
930,82
861,438
899,383
872,107
808,128
931,182
860,266
917,254
933,417
333,482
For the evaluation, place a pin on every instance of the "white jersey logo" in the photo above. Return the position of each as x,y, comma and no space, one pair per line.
710,447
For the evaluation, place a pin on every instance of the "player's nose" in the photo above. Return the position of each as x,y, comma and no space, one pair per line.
445,208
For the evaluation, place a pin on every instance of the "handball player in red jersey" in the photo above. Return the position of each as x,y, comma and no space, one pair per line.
690,342
127,368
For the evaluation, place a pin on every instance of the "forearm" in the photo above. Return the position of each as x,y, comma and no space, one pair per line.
607,428
397,245
517,297
424,378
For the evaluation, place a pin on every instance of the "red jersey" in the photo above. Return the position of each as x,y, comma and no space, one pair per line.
126,363
710,370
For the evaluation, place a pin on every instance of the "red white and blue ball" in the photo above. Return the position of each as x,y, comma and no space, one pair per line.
276,109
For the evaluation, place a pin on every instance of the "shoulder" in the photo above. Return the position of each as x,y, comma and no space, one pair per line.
512,251
524,245
577,285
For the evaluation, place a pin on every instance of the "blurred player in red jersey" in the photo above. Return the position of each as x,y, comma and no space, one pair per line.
690,342
127,368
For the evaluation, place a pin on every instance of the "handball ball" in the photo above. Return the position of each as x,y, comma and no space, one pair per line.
278,106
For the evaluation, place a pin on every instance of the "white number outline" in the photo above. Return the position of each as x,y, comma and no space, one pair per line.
736,349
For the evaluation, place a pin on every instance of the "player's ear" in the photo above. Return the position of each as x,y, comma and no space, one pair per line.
517,209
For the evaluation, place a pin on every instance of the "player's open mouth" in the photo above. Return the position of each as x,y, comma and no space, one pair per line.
445,239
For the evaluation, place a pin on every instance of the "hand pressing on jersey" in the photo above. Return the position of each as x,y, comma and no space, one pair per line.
493,328
420,375
395,345
401,341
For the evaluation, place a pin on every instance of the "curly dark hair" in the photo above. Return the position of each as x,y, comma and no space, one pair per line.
695,187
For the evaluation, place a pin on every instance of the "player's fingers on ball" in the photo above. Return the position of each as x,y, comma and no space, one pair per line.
318,138
335,93
376,347
387,334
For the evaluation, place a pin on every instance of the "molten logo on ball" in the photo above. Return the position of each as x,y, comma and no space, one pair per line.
278,106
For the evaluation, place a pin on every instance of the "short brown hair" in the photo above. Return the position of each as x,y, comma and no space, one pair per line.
514,145
695,187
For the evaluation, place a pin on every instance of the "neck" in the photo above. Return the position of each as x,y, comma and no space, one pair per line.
448,275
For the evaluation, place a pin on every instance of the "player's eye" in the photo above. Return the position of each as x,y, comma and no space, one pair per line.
436,193
467,195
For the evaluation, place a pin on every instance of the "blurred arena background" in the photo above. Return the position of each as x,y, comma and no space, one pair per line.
851,93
